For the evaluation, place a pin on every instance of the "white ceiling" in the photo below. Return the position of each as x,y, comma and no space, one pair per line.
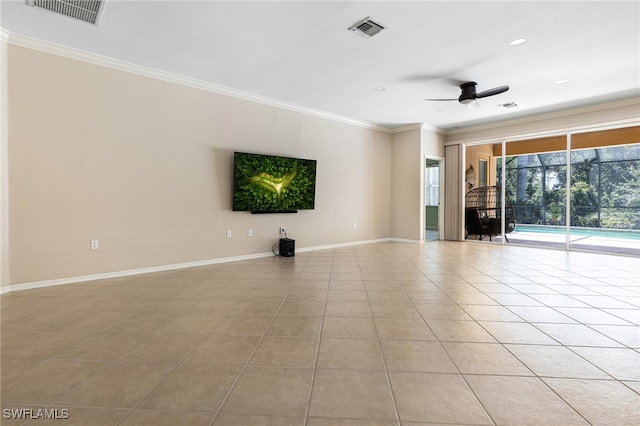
301,53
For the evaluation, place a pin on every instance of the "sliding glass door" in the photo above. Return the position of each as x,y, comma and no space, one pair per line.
605,199
535,186
576,191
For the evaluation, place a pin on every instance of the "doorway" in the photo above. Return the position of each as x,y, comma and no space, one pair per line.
432,199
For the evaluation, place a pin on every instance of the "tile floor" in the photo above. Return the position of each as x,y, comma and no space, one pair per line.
378,334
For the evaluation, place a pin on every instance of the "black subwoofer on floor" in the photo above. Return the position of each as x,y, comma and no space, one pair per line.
287,247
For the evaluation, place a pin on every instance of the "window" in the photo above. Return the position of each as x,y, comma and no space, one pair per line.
482,173
432,186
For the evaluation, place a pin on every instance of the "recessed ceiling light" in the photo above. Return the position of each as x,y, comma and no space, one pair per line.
565,81
518,42
380,89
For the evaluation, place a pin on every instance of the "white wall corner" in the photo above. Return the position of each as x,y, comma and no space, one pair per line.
429,127
405,128
4,35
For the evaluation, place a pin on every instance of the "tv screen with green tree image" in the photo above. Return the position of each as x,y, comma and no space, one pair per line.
273,184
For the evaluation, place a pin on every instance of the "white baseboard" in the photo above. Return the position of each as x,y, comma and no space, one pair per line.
341,245
162,268
127,273
406,240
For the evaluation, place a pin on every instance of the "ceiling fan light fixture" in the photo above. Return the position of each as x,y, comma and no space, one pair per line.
470,103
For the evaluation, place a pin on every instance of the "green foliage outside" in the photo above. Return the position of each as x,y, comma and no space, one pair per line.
604,193
273,183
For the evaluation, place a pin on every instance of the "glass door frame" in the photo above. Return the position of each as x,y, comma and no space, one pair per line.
503,187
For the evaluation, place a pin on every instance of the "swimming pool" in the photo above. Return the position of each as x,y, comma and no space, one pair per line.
630,234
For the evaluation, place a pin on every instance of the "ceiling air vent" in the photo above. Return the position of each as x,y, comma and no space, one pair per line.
85,10
366,28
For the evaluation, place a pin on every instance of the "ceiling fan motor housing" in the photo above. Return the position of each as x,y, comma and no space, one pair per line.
469,93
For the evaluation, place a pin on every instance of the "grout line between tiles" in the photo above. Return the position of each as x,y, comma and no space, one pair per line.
384,362
317,355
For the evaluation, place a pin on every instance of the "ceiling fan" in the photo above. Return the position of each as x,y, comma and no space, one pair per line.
470,96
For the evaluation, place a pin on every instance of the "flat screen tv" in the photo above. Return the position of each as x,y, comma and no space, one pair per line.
273,184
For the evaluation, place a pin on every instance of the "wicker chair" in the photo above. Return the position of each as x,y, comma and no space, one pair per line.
483,210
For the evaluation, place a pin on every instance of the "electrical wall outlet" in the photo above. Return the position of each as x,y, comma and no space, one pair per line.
355,225
282,230
228,233
250,233
95,244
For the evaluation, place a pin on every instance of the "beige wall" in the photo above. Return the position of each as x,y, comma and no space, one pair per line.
144,166
432,143
473,155
407,198
406,185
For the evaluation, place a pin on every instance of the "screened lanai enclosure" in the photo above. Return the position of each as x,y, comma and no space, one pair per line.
586,197
604,187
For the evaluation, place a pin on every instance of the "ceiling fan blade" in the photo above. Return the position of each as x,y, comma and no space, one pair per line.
454,99
491,92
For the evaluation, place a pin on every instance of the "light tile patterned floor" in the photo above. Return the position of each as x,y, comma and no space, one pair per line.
378,334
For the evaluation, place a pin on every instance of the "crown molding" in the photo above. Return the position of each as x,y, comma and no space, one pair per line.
418,126
104,61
